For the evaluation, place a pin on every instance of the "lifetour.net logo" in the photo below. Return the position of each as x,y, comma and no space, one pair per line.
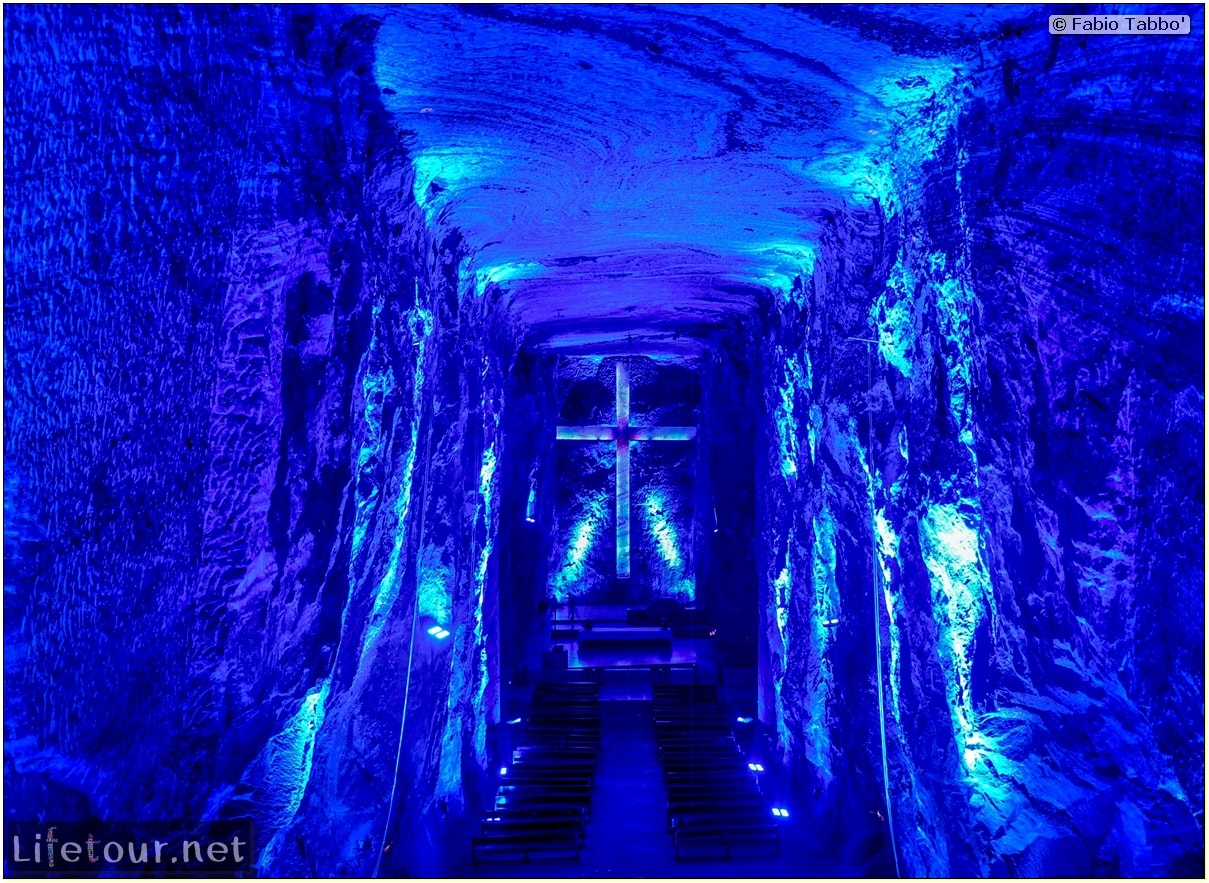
87,849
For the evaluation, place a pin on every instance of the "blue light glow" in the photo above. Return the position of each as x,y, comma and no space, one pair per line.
506,272
960,589
288,759
448,169
782,266
583,541
797,379
825,601
674,579
893,315
420,324
571,578
434,577
955,303
782,591
887,551
662,530
487,505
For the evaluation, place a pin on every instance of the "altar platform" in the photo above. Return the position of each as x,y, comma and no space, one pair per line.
604,643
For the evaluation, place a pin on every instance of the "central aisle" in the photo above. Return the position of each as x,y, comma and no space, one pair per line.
628,832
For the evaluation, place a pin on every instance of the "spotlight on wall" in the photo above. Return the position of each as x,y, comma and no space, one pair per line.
439,632
780,812
756,767
503,771
531,506
743,720
515,720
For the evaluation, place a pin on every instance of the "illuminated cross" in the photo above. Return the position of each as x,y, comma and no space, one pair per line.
623,434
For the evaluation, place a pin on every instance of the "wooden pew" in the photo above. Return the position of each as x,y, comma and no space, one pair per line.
542,779
556,812
714,806
551,768
587,726
546,752
584,764
698,805
707,692
523,847
499,825
708,754
702,838
551,802
689,742
543,800
714,777
563,742
551,785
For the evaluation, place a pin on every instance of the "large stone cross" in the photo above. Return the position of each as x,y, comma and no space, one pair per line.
623,434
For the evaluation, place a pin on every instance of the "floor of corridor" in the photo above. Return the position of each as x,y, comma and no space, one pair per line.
627,835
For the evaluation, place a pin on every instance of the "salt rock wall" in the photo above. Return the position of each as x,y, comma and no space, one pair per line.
1033,484
528,495
818,687
237,374
727,446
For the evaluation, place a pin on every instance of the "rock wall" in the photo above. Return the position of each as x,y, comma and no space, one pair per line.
253,407
727,454
818,686
528,490
1033,278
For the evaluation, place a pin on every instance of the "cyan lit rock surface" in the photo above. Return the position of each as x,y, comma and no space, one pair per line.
240,417
1021,321
276,280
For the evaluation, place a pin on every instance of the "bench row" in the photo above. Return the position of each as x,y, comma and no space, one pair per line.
714,806
544,797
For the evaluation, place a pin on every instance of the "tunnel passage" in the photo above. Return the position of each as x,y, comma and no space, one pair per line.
289,295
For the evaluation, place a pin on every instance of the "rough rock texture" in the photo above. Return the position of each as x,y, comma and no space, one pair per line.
1035,347
236,446
725,484
528,490
285,295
